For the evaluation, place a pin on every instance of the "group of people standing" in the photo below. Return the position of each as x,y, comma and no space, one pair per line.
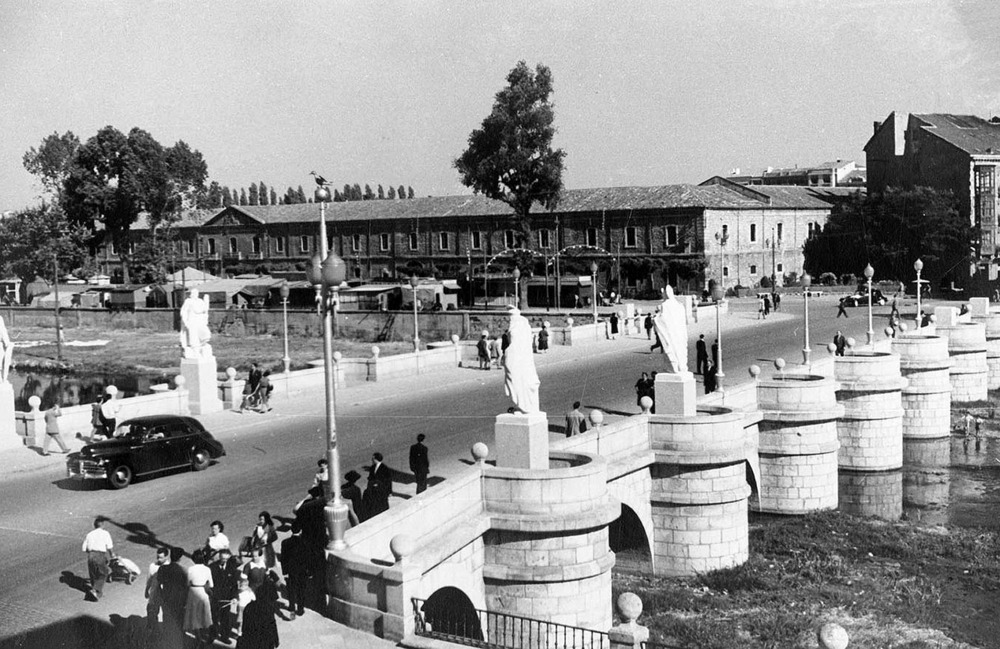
765,304
707,367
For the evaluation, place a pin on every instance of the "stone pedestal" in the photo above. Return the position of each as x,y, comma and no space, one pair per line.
675,394
202,384
8,431
522,441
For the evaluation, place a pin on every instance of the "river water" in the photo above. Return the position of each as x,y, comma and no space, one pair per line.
72,390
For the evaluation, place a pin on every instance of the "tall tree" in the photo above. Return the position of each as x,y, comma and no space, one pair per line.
369,194
214,196
252,197
890,231
291,197
381,193
262,192
337,196
392,192
409,192
51,161
356,194
273,196
31,239
302,195
243,196
227,197
401,192
188,172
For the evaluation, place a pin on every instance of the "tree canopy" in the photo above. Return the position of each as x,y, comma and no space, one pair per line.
32,238
510,157
890,231
50,162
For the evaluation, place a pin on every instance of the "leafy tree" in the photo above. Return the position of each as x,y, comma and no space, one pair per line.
369,194
392,193
188,172
227,197
262,192
273,196
337,196
214,196
409,194
243,196
381,193
51,161
253,198
356,194
890,231
510,157
302,195
151,261
401,192
31,239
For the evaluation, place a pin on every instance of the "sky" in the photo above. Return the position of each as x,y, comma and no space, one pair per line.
387,92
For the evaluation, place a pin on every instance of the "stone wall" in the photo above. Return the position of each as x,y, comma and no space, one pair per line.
871,429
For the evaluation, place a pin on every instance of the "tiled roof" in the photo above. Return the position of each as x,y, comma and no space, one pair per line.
799,197
969,133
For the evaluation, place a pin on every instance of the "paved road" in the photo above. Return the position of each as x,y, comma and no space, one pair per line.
271,458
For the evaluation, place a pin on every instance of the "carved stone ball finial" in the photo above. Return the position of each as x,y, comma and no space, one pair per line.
401,546
597,417
480,452
231,373
754,371
903,327
569,322
337,356
832,636
112,390
851,342
34,402
779,364
831,348
454,339
375,351
179,381
629,607
888,332
646,404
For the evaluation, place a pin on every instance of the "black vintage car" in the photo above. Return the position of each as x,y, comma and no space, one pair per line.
146,446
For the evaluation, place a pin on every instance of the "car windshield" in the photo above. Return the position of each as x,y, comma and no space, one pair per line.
132,429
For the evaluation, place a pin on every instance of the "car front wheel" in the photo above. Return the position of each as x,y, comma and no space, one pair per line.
200,460
120,477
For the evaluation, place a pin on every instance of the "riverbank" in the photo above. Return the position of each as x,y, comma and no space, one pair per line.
889,584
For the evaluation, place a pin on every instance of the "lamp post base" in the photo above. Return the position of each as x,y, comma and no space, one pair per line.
288,364
806,353
335,513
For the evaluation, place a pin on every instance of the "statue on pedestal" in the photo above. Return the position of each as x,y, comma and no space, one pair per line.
6,352
520,378
195,332
670,324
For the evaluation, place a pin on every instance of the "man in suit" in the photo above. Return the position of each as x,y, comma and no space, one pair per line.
840,342
171,579
576,422
701,355
420,465
295,563
376,498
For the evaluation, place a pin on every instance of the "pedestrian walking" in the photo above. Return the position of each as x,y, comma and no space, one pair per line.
776,298
110,407
217,541
171,578
198,606
420,465
244,595
701,354
266,389
52,416
258,629
767,305
576,421
711,378
642,388
351,494
263,537
839,343
322,477
842,307
543,338
760,308
96,422
100,549
613,322
376,496
496,351
295,566
648,324
894,312
152,590
483,351
715,352
226,578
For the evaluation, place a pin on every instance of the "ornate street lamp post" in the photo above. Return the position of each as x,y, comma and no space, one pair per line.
326,272
918,266
517,286
593,283
869,273
284,319
806,282
717,294
414,282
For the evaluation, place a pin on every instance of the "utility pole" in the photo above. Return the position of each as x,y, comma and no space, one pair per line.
55,268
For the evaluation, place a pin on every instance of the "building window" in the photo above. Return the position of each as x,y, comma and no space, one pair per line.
114,249
753,232
544,238
413,241
211,246
279,244
509,240
304,243
190,246
442,240
355,242
985,196
232,245
592,237
357,272
753,269
671,235
725,271
631,237
781,268
383,241
781,230
477,240
255,242
725,231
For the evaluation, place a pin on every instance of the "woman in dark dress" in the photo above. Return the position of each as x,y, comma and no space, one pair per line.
259,630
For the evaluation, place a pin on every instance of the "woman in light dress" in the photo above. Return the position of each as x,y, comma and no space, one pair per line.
198,609
264,536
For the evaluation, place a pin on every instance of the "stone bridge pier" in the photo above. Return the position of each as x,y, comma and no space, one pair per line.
925,364
980,309
967,348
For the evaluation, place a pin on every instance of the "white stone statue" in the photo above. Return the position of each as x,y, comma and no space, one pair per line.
6,352
195,332
520,378
670,324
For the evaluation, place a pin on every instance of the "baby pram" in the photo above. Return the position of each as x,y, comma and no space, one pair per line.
254,400
122,569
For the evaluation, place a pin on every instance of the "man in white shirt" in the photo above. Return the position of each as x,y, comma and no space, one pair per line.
99,549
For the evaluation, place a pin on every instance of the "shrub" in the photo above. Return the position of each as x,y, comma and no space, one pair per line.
848,279
827,279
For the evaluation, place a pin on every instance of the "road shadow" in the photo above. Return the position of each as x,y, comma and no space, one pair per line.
74,581
74,484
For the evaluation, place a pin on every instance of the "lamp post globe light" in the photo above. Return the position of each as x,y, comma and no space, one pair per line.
326,272
806,282
918,266
284,320
414,283
869,273
717,294
593,283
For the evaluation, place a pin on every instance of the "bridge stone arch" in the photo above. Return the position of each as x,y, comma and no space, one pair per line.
449,610
632,490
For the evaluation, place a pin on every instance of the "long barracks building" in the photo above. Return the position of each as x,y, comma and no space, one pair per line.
641,237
